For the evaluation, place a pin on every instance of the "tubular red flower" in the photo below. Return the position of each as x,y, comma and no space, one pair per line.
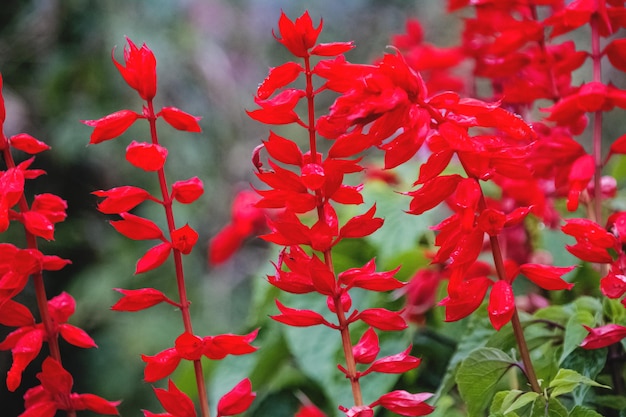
237,400
180,120
140,70
111,126
146,156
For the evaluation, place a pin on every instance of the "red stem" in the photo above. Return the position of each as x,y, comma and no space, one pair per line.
178,266
341,316
597,119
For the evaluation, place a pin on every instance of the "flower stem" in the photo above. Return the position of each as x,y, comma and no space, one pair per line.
518,331
178,266
341,316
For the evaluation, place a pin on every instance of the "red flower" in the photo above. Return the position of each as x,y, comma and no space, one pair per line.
405,403
188,191
140,70
180,120
140,299
55,393
237,400
603,336
175,402
111,126
147,156
299,36
121,199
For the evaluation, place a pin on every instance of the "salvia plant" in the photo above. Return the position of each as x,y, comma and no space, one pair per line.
496,142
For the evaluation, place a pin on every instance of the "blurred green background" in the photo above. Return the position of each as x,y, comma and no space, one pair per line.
55,58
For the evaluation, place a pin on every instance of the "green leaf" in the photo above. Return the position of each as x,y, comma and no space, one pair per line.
519,400
551,408
477,331
567,380
575,332
478,375
588,363
580,411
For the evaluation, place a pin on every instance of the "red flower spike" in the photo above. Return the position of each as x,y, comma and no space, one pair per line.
406,404
187,191
174,401
277,78
146,156
299,318
140,70
362,225
140,299
382,319
501,304
603,336
160,365
137,228
547,277
180,120
111,126
237,400
299,36
120,199
184,239
26,143
367,348
153,258
394,364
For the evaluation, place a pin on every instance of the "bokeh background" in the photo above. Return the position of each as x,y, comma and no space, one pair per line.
55,59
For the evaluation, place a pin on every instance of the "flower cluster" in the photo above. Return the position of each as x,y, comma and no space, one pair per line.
307,186
17,266
139,72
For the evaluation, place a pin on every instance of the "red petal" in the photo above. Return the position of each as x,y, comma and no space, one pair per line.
14,314
383,319
111,126
120,199
395,364
76,336
153,258
184,239
362,225
332,49
137,228
95,403
547,277
432,193
55,379
406,404
616,52
140,299
160,365
237,400
175,402
283,150
38,224
298,318
366,350
603,336
27,143
187,191
277,78
189,346
146,156
180,120
501,304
